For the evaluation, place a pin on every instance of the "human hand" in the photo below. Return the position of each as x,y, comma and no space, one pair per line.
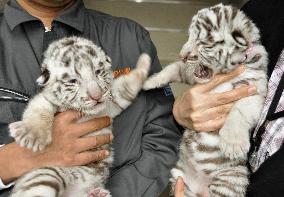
179,188
68,147
203,111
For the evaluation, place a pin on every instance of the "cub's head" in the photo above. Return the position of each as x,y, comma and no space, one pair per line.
219,40
76,74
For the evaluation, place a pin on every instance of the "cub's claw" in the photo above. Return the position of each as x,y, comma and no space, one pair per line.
26,137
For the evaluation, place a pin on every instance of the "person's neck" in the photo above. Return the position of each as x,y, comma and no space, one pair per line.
44,12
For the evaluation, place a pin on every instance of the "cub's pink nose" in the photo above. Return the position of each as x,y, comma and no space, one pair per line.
96,97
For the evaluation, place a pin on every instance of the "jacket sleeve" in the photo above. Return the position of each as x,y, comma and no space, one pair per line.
149,175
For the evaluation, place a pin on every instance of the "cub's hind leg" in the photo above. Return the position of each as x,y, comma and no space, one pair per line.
43,182
62,182
229,182
178,173
196,184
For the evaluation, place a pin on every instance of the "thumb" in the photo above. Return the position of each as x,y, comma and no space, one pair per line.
179,190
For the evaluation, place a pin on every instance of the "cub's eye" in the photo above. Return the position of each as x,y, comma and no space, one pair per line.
72,81
98,71
220,42
239,38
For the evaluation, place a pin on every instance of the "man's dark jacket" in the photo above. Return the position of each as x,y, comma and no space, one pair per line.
146,135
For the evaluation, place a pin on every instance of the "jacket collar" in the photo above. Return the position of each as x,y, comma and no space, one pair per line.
73,16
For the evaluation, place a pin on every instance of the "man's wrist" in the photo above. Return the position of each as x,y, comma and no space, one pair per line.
15,161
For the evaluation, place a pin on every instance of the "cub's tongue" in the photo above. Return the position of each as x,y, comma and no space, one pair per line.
202,72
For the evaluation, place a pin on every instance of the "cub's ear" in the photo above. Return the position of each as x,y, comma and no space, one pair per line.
44,77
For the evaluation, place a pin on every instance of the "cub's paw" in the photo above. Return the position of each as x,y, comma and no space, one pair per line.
152,83
99,192
143,67
128,88
177,173
234,145
129,85
28,137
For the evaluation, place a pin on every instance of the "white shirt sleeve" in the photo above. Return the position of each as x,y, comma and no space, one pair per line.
2,185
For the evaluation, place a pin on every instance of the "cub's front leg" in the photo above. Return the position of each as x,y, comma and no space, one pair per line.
126,88
234,135
171,73
35,129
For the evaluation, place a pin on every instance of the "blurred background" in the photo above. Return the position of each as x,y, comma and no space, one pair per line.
166,20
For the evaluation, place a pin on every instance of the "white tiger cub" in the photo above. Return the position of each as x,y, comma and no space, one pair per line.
220,38
76,75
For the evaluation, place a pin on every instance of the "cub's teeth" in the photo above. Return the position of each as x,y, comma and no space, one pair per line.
202,72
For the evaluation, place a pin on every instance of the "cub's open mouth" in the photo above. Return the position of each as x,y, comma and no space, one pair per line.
203,72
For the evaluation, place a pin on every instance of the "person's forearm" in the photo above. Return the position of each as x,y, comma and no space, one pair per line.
15,161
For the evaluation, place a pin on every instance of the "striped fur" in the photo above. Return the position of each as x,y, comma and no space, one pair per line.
220,38
76,74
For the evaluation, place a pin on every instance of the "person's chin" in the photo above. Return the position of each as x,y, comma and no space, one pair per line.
52,3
